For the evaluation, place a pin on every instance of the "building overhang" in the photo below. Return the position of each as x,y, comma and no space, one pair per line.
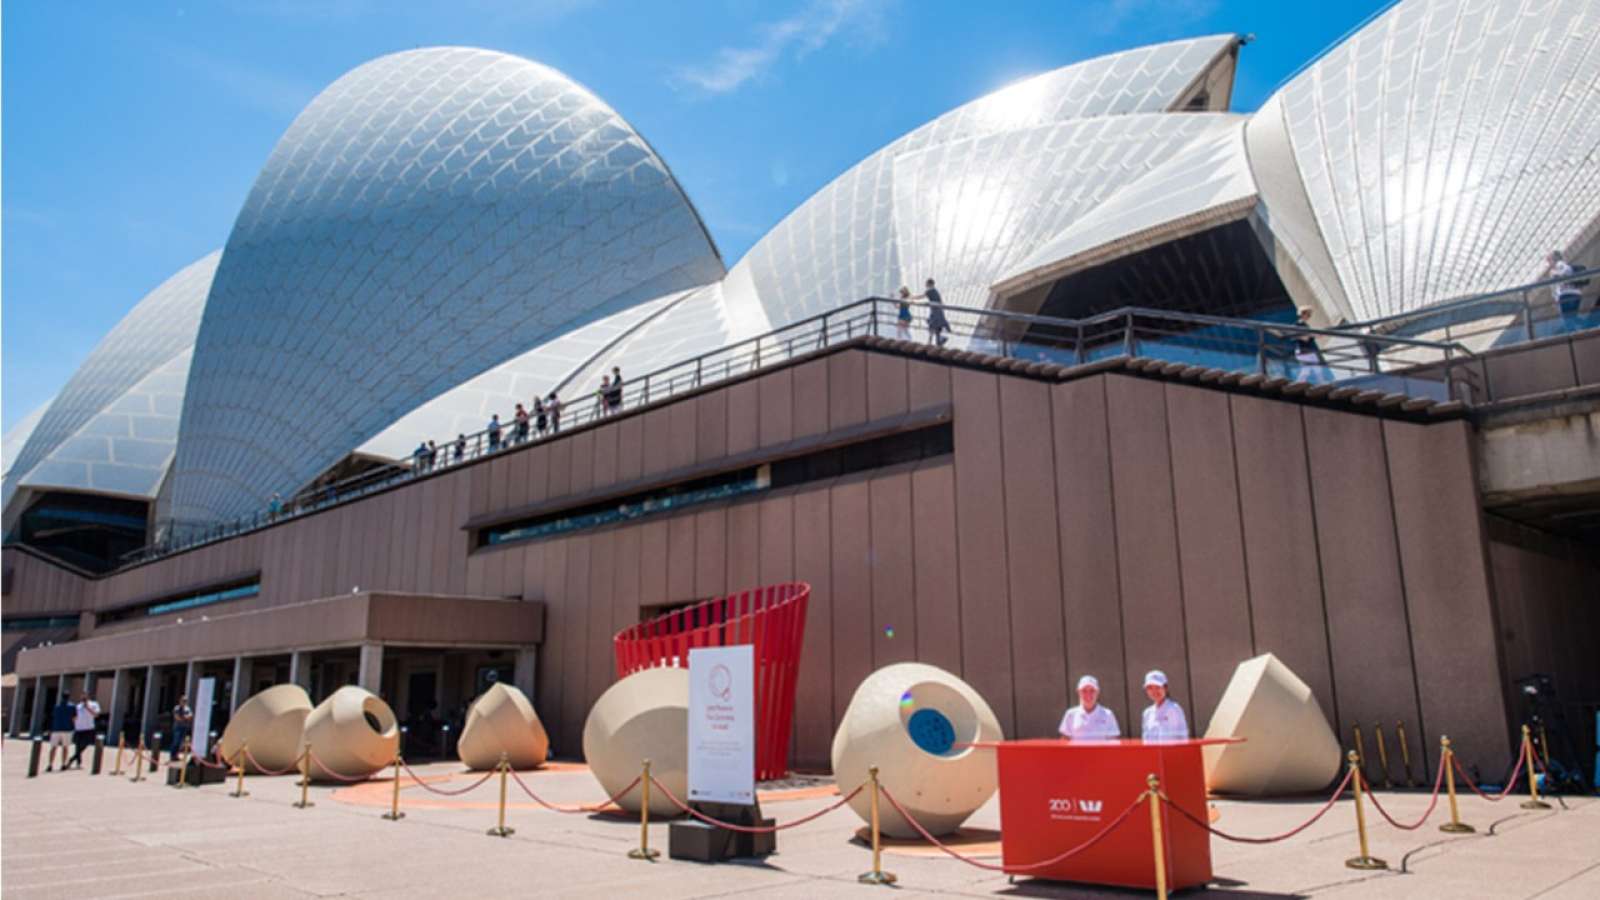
344,620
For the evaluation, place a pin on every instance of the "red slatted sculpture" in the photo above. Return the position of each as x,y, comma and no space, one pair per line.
771,618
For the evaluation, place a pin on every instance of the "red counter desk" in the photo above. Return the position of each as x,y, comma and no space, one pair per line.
1056,794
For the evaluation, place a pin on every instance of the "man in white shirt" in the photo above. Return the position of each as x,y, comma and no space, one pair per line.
1089,721
1163,719
83,727
1567,292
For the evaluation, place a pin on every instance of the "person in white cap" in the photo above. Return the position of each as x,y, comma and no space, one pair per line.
1163,719
1089,721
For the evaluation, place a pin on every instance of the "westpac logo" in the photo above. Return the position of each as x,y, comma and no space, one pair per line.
1074,808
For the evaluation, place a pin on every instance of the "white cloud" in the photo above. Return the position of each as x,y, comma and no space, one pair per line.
804,32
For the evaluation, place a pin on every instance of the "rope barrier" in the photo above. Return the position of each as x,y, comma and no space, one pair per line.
1272,839
216,752
1511,782
1042,864
754,829
575,809
441,791
335,775
294,767
1433,802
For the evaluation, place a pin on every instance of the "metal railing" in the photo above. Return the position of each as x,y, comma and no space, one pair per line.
1500,318
1390,363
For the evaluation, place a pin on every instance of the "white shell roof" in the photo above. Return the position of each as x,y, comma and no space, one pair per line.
1448,146
844,243
117,414
466,409
1204,183
11,444
429,216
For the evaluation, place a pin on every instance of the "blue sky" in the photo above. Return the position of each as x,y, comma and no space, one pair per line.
132,131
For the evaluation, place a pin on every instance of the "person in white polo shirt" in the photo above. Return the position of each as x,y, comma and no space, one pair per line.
1089,721
1163,719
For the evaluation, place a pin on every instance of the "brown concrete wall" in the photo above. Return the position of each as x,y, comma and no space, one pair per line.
1105,525
1547,591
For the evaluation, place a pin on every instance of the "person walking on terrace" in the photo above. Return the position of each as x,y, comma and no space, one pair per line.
938,325
902,316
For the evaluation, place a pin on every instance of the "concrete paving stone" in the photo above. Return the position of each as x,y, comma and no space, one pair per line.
260,846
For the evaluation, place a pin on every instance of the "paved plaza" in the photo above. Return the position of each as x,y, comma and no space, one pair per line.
76,835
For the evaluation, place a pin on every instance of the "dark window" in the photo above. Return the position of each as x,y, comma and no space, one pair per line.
87,531
37,623
876,453
179,602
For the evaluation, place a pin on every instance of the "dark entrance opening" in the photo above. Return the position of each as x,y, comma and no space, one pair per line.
1223,271
90,532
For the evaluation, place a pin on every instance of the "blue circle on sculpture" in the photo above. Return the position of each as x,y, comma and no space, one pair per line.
931,731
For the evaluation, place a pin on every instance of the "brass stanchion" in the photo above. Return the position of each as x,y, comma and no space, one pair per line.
1383,754
183,767
394,814
1455,825
501,830
1533,801
305,778
238,790
643,851
1361,750
116,767
1405,752
1365,860
877,875
1154,793
138,761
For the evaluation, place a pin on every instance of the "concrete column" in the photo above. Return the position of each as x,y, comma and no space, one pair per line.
63,687
16,711
369,674
36,717
522,676
236,696
300,670
191,680
88,683
121,686
147,716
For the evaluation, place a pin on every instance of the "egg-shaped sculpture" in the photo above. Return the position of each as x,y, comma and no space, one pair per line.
644,716
917,723
352,734
1288,747
270,726
502,721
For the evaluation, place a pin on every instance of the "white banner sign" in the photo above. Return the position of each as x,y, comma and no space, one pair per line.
722,724
202,716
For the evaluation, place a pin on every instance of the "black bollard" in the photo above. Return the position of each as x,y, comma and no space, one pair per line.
99,751
155,754
33,757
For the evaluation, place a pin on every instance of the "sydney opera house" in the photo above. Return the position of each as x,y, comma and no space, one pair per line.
1214,384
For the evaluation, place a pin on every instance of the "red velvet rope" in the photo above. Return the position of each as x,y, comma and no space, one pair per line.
1510,782
573,809
1432,803
755,829
293,768
335,775
1016,868
1241,839
441,791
